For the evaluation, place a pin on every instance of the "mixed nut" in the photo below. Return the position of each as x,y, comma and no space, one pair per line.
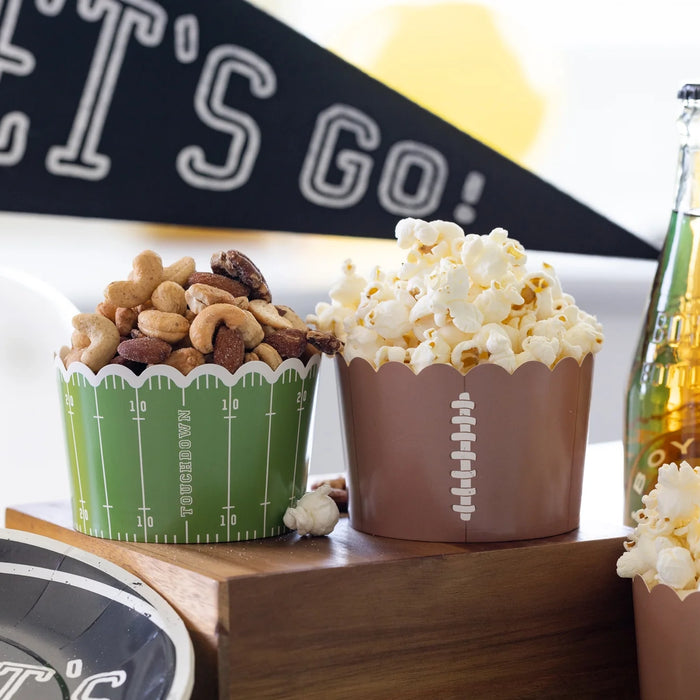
184,318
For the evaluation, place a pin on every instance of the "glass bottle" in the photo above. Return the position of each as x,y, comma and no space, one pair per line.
663,395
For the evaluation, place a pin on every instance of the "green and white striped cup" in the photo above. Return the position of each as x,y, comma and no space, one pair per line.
207,457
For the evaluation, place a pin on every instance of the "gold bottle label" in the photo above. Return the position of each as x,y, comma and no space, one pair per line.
675,446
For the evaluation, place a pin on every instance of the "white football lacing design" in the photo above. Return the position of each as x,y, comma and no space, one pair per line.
465,456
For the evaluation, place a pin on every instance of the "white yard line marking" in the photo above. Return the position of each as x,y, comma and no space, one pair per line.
267,457
77,460
300,410
144,509
106,505
228,468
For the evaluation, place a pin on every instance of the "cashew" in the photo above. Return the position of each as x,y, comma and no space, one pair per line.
163,324
148,304
125,320
169,296
146,275
104,339
200,295
292,316
207,320
79,341
71,356
267,314
179,271
106,309
185,359
242,302
268,355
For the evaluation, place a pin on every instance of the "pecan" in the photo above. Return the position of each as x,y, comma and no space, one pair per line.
238,266
325,342
234,287
289,342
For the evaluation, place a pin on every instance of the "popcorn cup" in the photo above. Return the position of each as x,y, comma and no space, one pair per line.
476,457
167,458
667,629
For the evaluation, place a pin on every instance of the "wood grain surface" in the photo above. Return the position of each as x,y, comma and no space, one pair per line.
352,615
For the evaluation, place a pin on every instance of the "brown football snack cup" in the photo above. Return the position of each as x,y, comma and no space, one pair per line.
448,457
668,638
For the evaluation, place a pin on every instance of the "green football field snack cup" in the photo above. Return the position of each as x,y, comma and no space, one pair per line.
210,457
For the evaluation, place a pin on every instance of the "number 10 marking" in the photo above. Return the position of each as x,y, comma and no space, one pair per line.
149,521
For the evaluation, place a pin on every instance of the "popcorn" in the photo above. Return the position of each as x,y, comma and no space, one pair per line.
665,545
316,513
461,299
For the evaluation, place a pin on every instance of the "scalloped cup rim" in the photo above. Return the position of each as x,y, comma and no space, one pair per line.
394,363
682,594
182,380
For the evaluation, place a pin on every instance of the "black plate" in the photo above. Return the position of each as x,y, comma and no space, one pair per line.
73,625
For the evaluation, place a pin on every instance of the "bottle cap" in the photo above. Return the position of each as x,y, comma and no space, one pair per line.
690,91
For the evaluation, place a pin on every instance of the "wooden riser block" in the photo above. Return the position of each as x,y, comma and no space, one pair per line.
352,615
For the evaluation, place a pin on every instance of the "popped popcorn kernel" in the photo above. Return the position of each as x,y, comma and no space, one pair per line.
665,545
457,298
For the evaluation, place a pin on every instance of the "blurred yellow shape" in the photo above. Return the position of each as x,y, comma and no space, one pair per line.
454,60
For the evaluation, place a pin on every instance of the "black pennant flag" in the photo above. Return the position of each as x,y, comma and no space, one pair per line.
215,114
